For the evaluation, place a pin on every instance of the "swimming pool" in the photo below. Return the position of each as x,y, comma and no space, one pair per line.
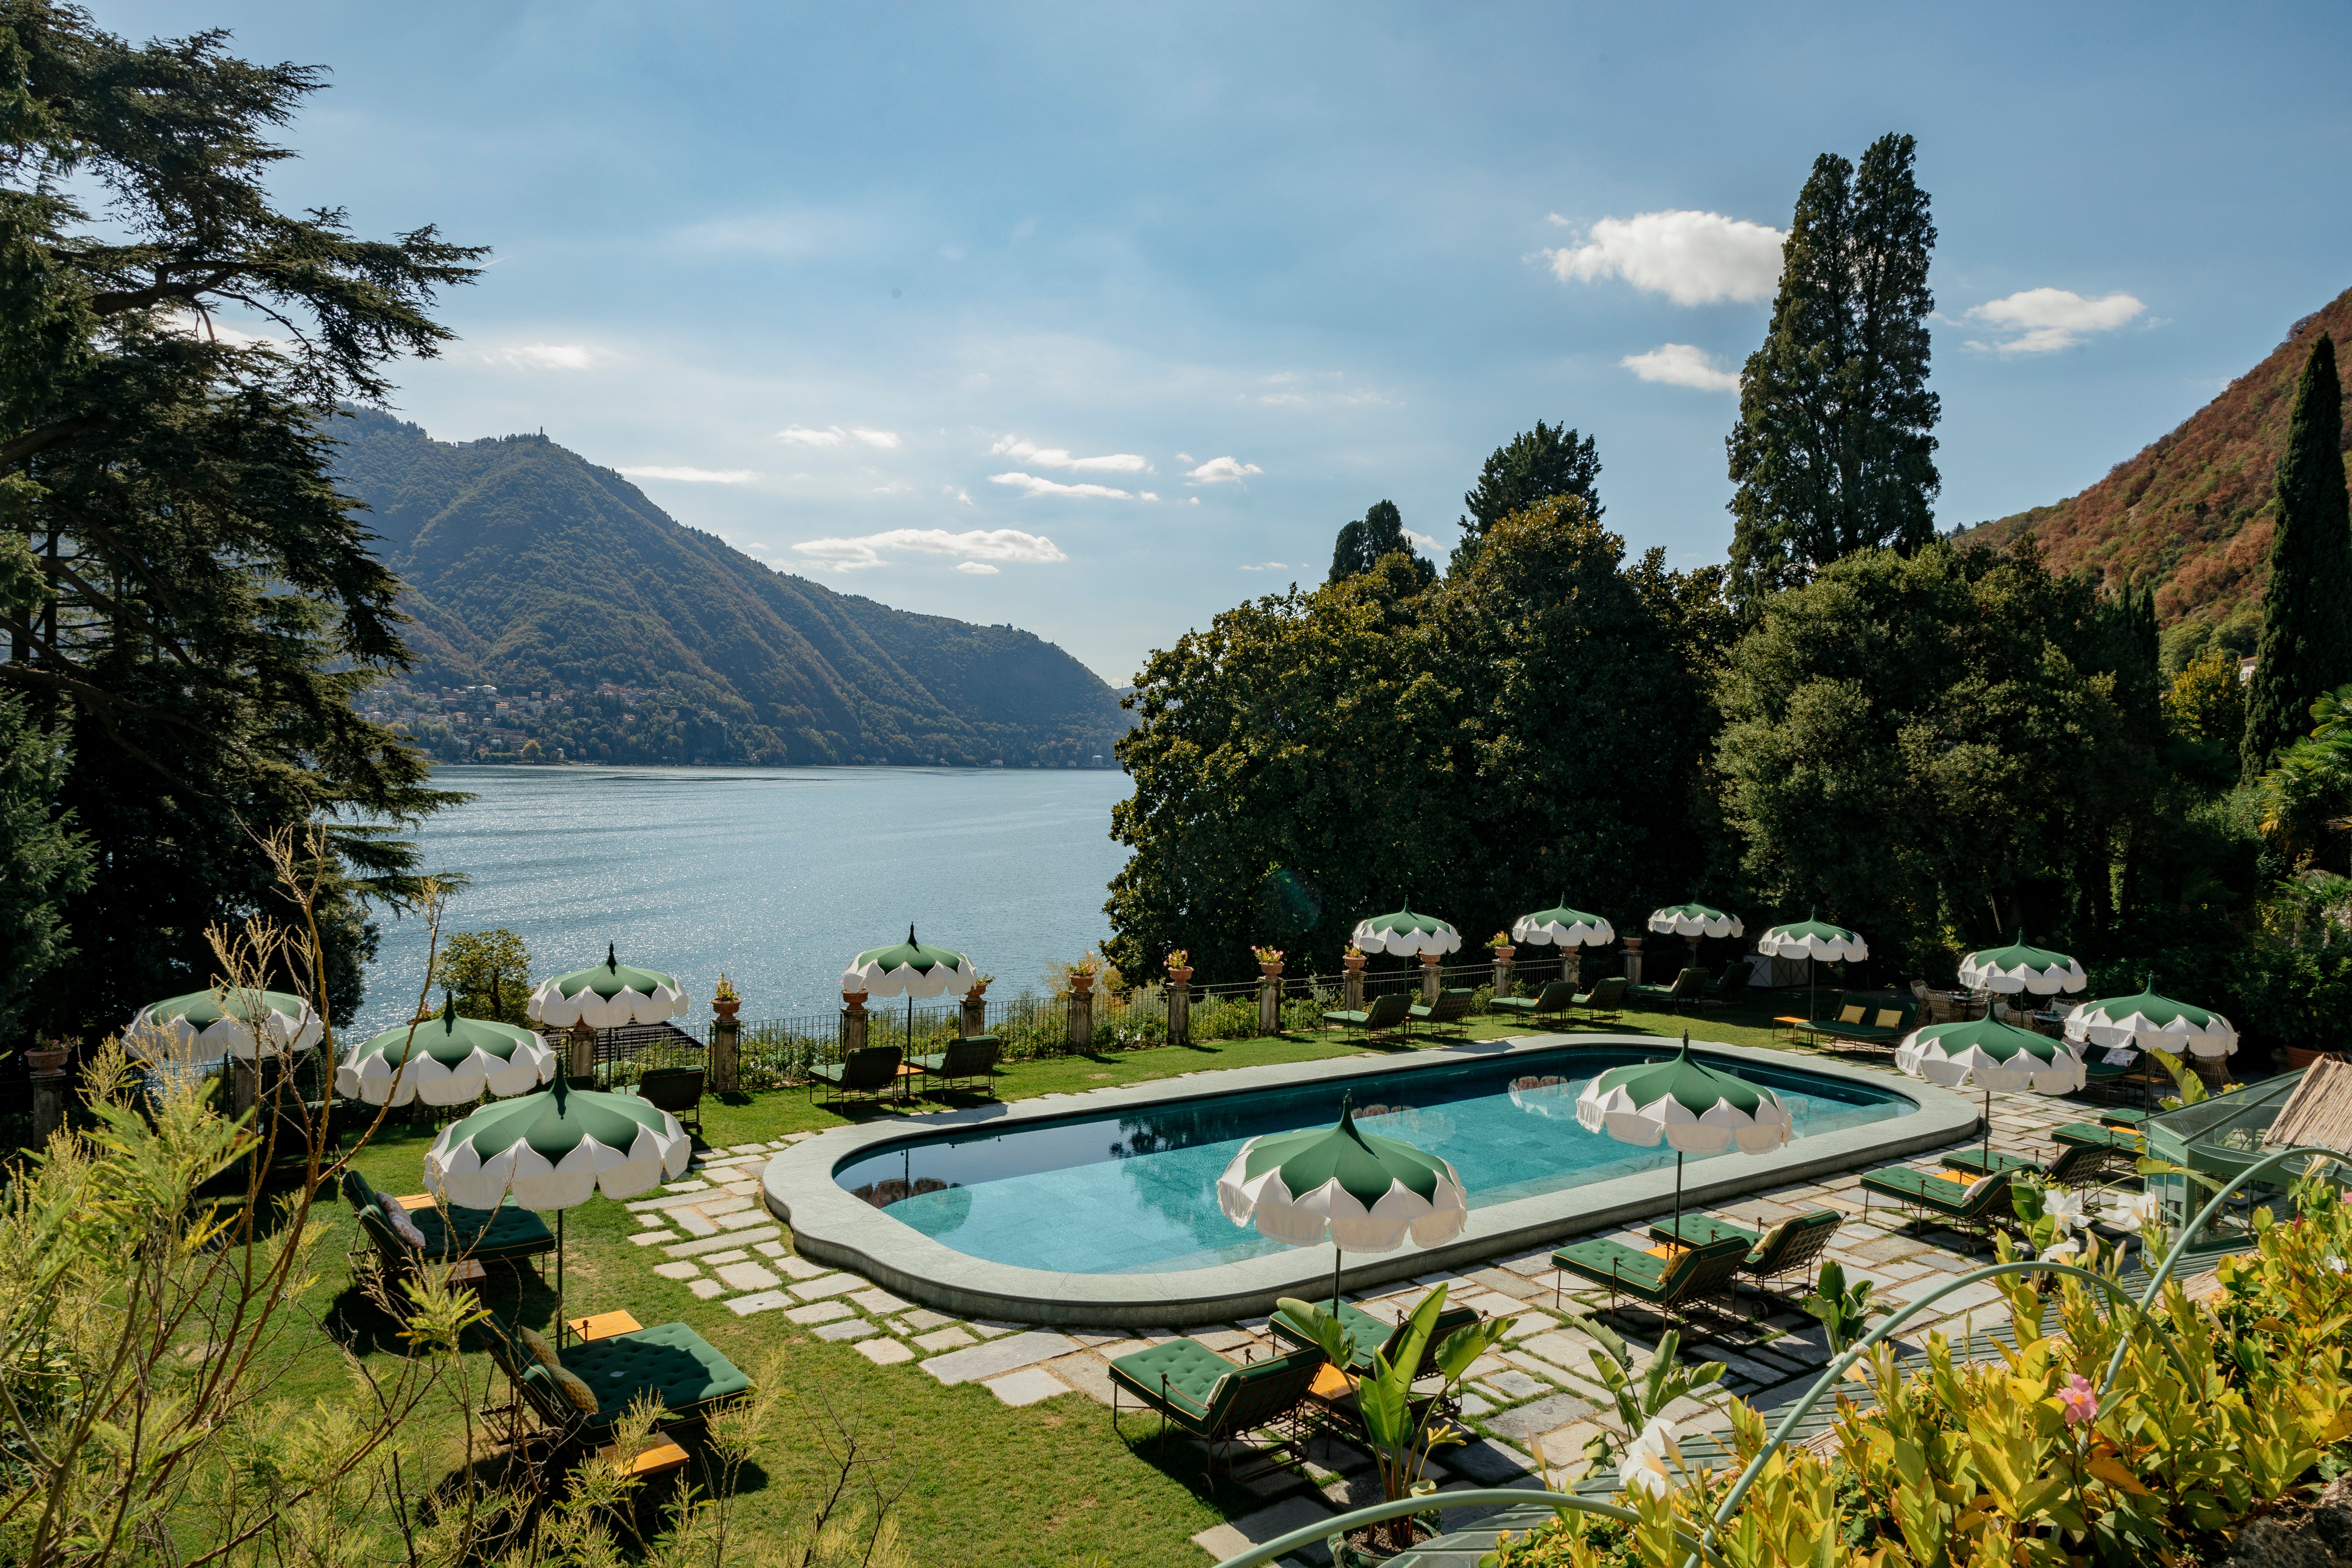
1133,1191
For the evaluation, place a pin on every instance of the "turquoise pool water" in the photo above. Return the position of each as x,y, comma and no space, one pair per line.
1136,1193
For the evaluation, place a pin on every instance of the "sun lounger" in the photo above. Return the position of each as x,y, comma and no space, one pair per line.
1606,996
668,1361
1885,1026
1555,998
507,1234
1451,1007
2075,1165
1669,1283
1968,1206
1689,986
1386,1015
1373,1335
677,1090
970,1063
866,1075
1786,1249
1202,1395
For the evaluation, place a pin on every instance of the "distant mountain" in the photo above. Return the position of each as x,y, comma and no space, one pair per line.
2191,514
532,569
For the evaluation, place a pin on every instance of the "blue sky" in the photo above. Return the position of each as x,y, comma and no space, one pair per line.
924,302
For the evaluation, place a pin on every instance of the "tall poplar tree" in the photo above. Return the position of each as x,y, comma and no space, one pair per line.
1834,450
206,605
1378,532
2307,643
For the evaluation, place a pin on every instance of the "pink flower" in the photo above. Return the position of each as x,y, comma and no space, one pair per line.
2078,1401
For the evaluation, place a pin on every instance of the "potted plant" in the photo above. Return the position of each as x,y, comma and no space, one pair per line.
1499,945
980,986
725,1000
51,1058
1354,958
1269,960
854,1002
1180,966
1082,976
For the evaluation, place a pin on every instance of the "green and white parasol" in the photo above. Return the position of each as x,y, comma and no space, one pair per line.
909,969
2018,967
446,1060
1696,1108
205,1024
1361,1192
2149,1021
1985,1055
607,996
556,1151
1812,940
1561,926
1404,933
1694,920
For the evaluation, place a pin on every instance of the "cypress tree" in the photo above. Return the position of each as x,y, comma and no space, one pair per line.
1381,531
1539,464
2307,642
1834,450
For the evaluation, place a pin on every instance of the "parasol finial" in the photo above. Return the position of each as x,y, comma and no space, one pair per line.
910,935
612,961
561,1089
448,1012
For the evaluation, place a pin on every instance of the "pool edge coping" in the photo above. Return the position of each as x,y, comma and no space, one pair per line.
829,1225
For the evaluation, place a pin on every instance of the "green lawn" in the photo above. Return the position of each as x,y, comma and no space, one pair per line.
1047,1485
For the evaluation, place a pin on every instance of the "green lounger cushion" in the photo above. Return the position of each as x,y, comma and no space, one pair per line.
1192,1369
505,1232
2089,1135
1372,1334
1556,997
2119,1117
1638,1273
1930,1191
669,1359
1973,1162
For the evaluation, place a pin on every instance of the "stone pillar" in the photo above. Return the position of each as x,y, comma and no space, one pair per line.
244,1085
1351,985
1503,956
49,1093
1081,1032
726,1057
1633,961
580,1061
975,1012
853,1023
1180,1007
1430,982
1571,964
1269,998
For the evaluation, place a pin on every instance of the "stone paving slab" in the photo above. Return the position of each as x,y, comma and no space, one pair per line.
684,1269
747,1277
924,1318
1089,1375
821,1312
879,1301
951,1337
1237,1535
998,1357
1030,1386
883,1352
705,1287
830,1285
847,1328
711,1244
765,1302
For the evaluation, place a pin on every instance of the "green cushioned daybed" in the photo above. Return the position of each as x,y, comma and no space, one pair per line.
1977,1205
1202,1393
506,1234
668,1361
1669,1284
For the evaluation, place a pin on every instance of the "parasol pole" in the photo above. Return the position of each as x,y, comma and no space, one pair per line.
1678,1199
559,1279
1335,1278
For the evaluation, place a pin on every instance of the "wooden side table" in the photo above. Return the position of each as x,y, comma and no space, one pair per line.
415,1201
657,1458
603,1326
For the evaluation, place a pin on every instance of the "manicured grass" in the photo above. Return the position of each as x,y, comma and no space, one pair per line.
1049,1485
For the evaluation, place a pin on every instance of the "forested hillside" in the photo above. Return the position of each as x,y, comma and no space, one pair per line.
2191,514
529,568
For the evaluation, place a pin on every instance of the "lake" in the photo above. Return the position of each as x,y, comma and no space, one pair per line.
779,875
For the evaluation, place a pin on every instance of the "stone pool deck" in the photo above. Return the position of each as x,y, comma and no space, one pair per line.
1525,1403
833,1226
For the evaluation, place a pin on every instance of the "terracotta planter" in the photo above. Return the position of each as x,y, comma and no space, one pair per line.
1181,976
1632,943
1082,984
1503,955
1271,971
1353,960
854,1002
725,1008
46,1061
979,989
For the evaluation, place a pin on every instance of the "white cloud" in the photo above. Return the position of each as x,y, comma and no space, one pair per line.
1272,566
544,356
1058,458
211,327
977,568
691,476
1031,485
974,546
1183,456
1691,257
2048,319
1422,540
1681,364
1147,496
1221,470
956,493
834,435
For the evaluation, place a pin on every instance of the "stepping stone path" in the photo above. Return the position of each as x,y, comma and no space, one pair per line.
1526,1403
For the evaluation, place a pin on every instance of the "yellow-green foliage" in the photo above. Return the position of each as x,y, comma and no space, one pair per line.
2219,1408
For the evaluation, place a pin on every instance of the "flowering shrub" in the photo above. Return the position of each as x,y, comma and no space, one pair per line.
1267,954
2219,1410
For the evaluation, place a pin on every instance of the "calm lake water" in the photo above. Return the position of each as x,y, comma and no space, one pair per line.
779,875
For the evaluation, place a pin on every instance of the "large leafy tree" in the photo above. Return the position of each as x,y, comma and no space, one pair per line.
1536,465
1365,543
1940,748
2307,642
1532,725
1834,450
207,603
